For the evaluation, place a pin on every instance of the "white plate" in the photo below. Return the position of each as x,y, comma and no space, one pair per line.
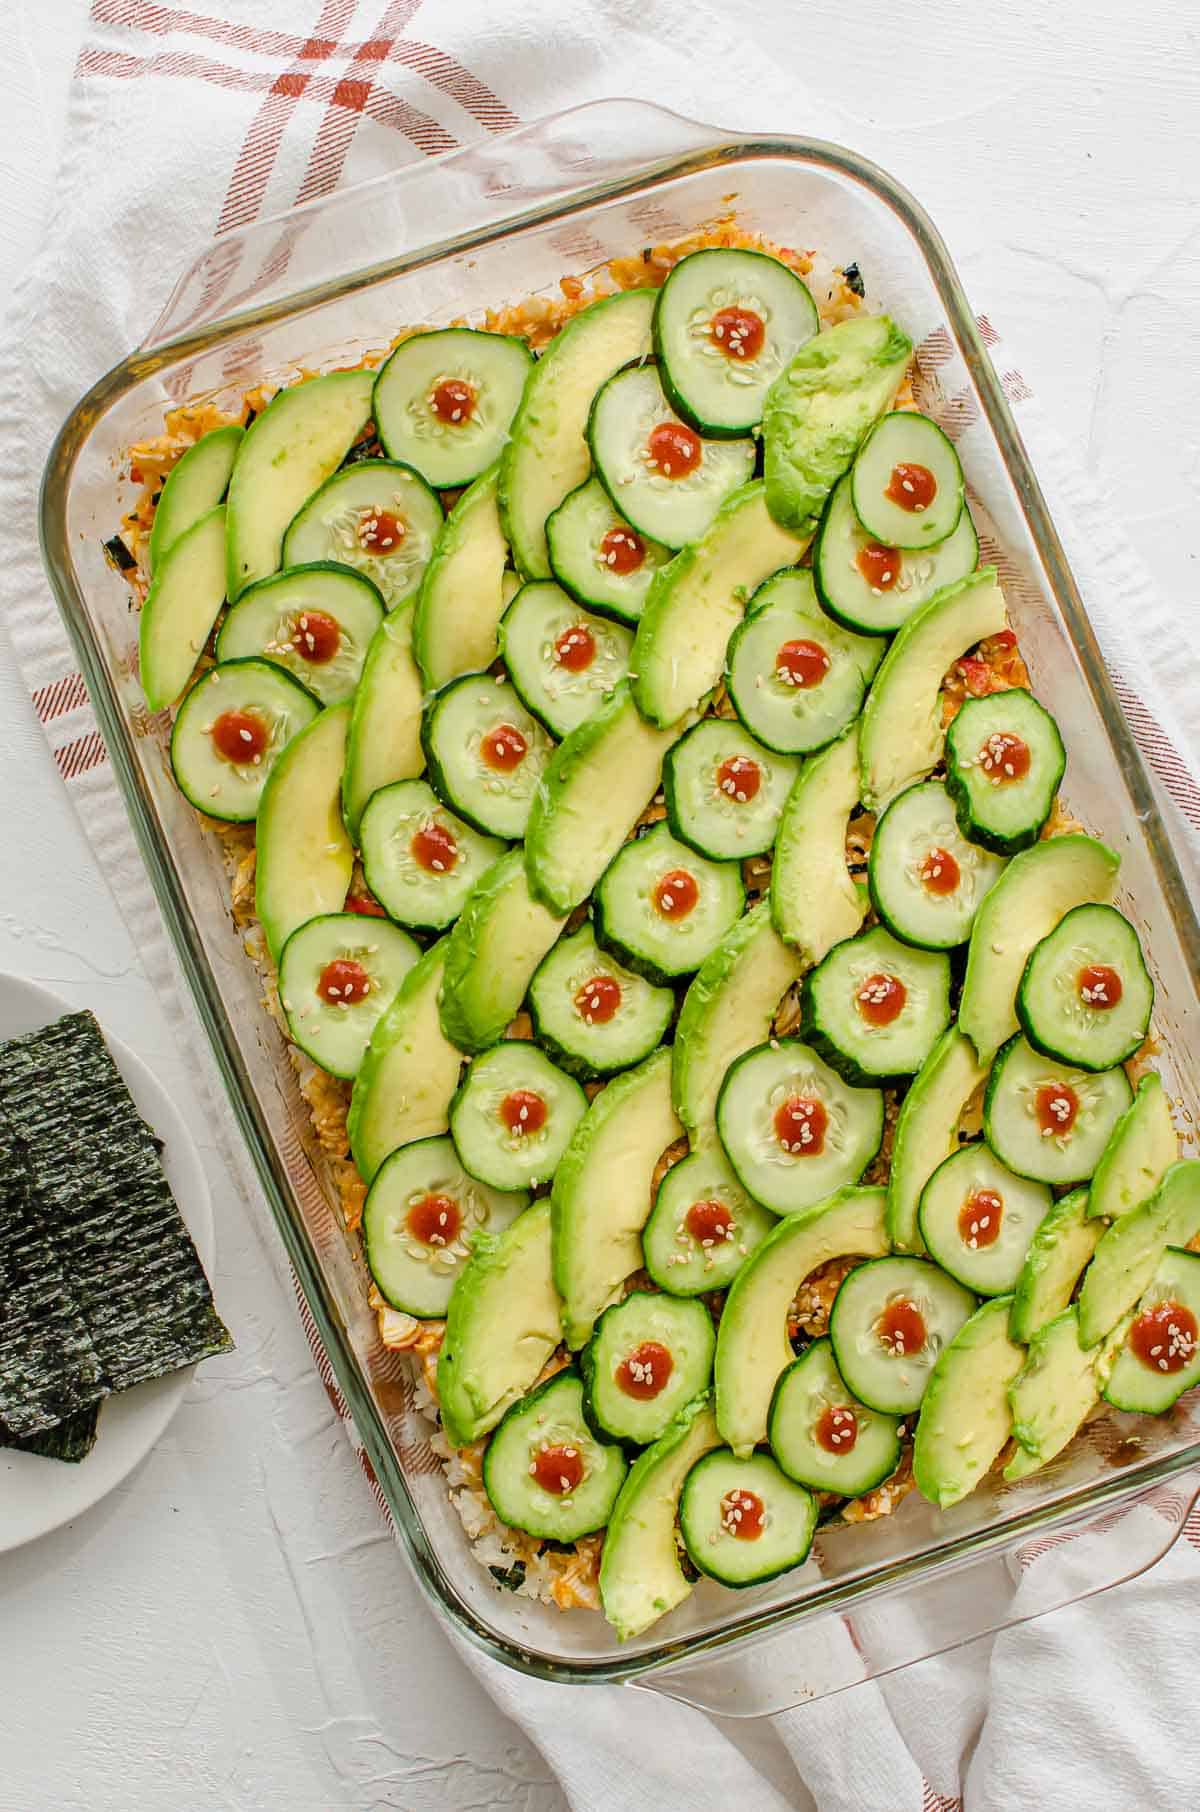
37,1495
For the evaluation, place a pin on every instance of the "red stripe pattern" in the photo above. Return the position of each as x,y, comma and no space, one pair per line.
59,697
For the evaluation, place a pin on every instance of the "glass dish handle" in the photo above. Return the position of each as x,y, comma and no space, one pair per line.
252,275
836,1652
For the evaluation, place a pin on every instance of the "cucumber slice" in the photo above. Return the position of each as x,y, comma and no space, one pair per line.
822,1436
1161,1355
977,1219
1086,994
196,483
927,1129
999,809
648,1358
562,661
491,954
513,1116
744,1521
407,1079
906,483
966,1418
305,859
661,909
547,453
1143,1147
794,678
1037,889
444,401
814,901
926,881
180,609
1058,1256
599,557
301,437
593,1015
485,754
874,1008
420,861
385,725
729,1007
726,324
667,481
376,516
419,1221
598,783
903,733
697,601
250,704
338,974
891,1319
792,1129
1048,1120
457,613
703,1226
724,791
866,591
545,1472
314,621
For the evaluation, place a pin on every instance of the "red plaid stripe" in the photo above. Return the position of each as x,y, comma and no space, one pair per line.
59,697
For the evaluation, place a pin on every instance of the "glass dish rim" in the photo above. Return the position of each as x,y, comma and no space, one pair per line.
707,147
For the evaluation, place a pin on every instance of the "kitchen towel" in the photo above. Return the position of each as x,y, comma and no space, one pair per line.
184,124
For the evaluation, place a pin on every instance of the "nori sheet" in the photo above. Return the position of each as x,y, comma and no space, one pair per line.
71,1439
94,1169
49,1367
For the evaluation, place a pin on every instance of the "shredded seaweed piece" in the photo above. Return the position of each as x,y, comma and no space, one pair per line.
509,1577
853,279
118,554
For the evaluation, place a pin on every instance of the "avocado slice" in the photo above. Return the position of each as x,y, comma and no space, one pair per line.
965,1414
547,452
405,1082
814,901
820,407
902,730
1037,889
181,607
1141,1149
602,1190
1056,1389
1060,1248
640,1575
462,594
752,1342
727,1010
501,1327
697,600
385,724
1130,1251
305,859
927,1130
299,440
596,786
196,483
500,938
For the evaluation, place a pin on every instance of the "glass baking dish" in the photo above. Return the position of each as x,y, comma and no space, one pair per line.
494,223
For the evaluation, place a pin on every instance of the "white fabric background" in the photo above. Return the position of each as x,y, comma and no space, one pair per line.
233,1629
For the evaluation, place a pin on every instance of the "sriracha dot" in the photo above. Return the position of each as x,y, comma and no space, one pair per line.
598,1000
1164,1338
912,487
380,531
523,1112
503,748
343,980
453,402
434,1220
646,1371
239,736
315,636
673,450
557,1469
622,551
739,332
836,1429
800,1126
1099,987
